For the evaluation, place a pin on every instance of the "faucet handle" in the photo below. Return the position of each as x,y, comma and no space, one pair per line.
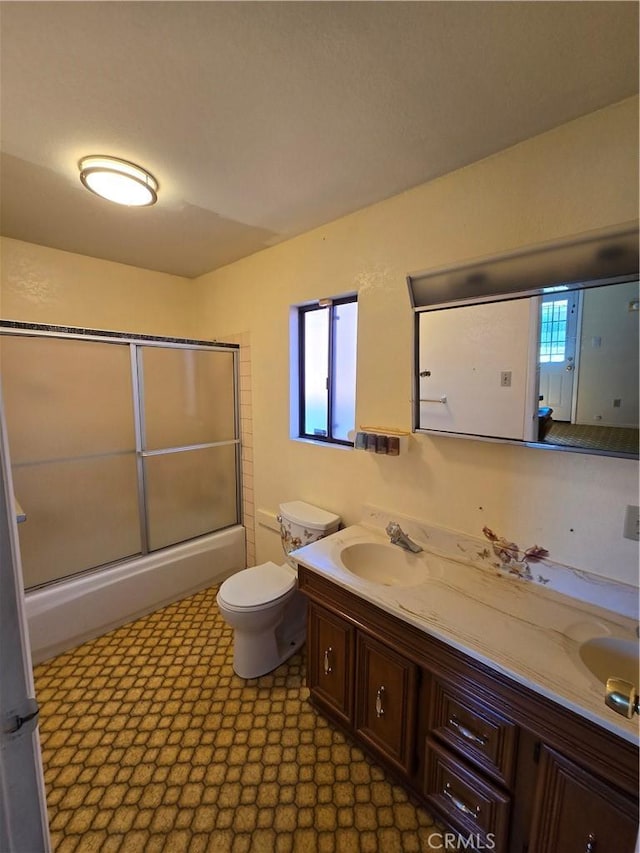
622,697
393,529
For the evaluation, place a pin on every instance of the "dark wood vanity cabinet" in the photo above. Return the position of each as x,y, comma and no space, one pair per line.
501,765
363,685
576,812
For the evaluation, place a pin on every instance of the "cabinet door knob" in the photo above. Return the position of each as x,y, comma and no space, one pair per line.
591,844
379,705
459,804
327,662
466,733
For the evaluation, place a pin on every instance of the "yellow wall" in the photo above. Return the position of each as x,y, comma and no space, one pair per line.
578,177
43,285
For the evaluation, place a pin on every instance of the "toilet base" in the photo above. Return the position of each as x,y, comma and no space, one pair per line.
252,662
256,654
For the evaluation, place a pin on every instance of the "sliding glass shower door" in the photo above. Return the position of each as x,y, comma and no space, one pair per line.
70,419
188,442
118,447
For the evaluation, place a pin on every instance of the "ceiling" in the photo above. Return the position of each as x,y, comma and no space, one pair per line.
264,120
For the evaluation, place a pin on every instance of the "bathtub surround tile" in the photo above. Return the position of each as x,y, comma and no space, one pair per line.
151,742
243,340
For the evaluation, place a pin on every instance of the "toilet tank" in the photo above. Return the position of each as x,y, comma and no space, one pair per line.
302,523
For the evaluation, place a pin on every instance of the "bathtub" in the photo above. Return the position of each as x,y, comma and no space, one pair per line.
67,613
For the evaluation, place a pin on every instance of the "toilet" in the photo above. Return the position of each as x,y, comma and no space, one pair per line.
263,604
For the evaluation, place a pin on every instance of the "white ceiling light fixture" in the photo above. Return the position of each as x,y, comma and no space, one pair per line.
118,180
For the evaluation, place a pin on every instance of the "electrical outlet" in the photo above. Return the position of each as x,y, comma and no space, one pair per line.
505,379
632,523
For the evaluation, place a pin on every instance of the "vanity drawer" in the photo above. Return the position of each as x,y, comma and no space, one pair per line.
473,806
478,732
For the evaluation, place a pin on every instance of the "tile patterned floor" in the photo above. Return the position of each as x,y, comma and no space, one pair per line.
614,439
151,743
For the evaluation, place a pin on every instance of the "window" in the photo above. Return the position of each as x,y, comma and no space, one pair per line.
553,330
327,369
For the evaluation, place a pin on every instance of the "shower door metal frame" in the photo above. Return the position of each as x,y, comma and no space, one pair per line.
137,378
135,343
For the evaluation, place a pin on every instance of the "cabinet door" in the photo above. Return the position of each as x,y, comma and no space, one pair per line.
330,643
386,699
576,812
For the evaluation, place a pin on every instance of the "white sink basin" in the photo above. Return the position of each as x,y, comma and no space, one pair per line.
388,565
612,657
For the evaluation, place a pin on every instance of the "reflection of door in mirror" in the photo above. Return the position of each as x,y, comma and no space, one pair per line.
603,414
557,351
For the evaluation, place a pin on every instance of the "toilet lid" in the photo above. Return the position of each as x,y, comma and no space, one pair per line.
258,585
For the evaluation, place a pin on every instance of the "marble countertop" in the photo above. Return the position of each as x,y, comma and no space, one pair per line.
524,630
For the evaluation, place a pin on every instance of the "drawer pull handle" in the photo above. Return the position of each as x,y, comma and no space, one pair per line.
457,802
591,844
466,733
379,706
327,663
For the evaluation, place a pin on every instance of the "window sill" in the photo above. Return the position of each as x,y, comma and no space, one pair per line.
315,443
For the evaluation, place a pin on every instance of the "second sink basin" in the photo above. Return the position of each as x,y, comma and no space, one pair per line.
611,657
387,565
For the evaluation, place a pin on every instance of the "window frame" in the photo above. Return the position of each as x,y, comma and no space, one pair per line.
322,304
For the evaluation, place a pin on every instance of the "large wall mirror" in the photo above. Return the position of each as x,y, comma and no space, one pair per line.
540,347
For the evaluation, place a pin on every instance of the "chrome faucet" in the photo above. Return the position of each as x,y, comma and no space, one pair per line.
398,537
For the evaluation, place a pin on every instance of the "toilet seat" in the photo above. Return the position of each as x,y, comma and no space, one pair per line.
257,587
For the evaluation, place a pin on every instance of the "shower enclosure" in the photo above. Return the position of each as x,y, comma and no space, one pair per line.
120,446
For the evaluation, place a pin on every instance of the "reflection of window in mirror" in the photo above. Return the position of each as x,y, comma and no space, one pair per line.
588,368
